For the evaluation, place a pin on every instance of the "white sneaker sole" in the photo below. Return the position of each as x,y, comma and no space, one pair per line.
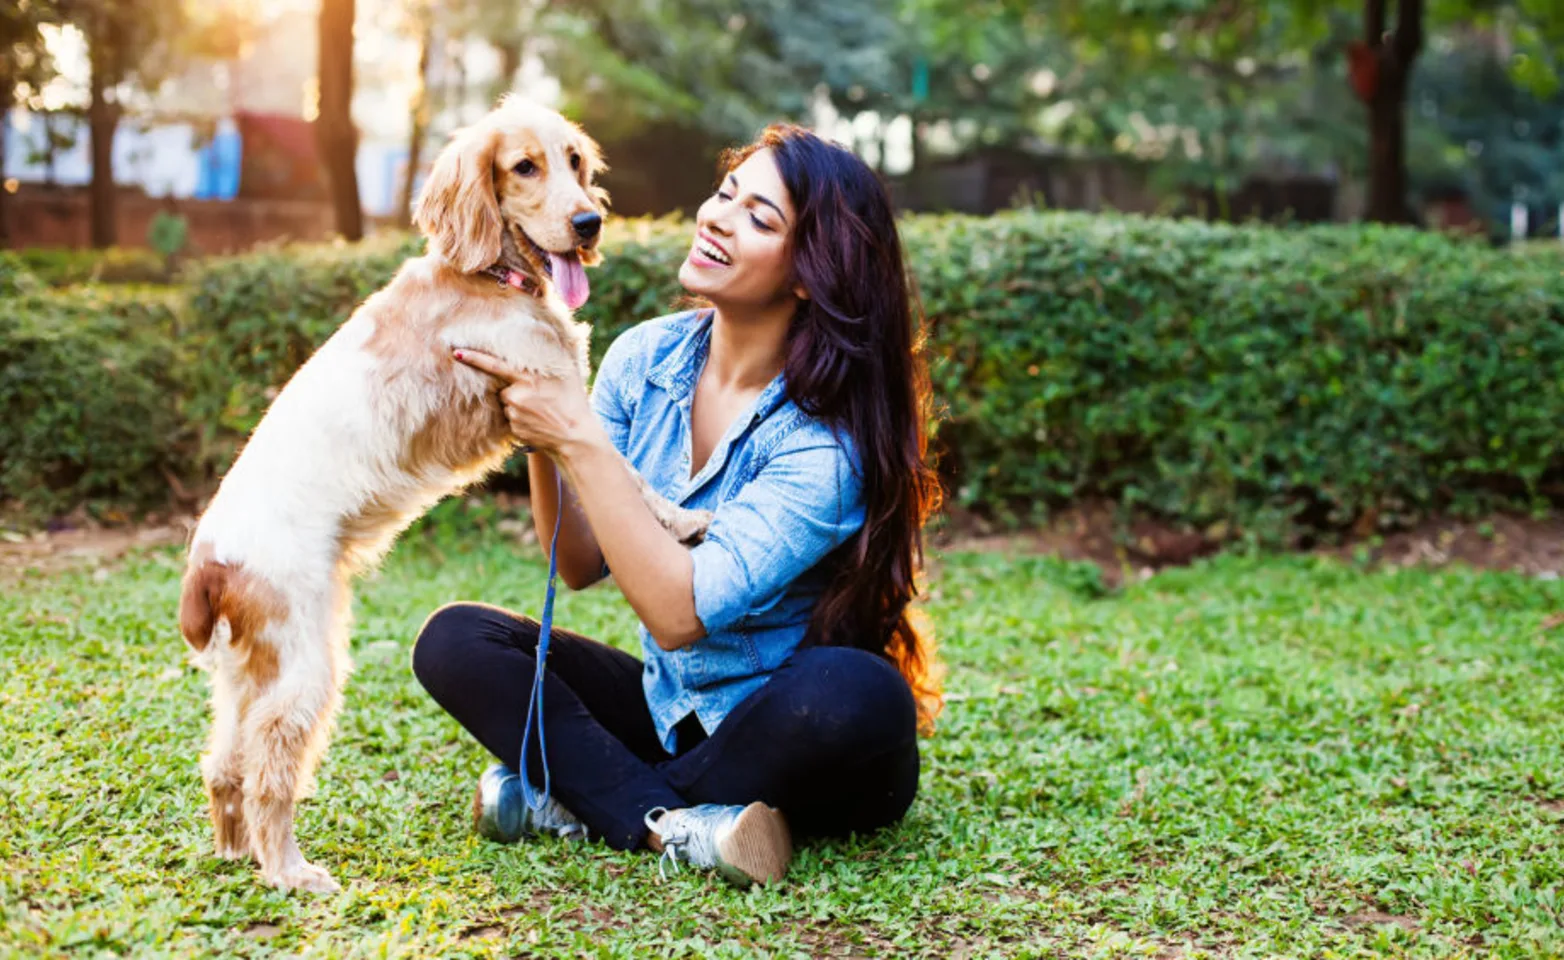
758,848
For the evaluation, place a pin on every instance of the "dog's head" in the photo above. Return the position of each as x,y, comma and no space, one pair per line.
523,169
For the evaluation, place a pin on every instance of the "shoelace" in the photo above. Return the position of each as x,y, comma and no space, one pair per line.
684,833
556,819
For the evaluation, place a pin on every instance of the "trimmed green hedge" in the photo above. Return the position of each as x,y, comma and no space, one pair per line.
1247,378
64,267
15,278
1275,379
90,384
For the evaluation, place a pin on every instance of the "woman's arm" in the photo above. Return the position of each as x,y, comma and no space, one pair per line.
580,558
652,569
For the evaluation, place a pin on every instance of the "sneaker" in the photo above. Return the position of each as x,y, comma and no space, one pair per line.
746,844
500,811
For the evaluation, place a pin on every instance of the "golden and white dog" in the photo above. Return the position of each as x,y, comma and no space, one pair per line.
374,429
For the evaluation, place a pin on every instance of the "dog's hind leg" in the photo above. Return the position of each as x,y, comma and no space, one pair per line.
222,769
283,733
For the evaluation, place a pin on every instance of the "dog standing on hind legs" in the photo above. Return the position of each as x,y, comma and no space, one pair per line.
373,430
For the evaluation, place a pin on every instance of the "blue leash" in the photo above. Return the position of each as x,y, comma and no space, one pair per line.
534,799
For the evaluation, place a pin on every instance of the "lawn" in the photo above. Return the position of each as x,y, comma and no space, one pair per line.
1251,757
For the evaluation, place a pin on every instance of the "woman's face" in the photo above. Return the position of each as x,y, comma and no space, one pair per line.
742,254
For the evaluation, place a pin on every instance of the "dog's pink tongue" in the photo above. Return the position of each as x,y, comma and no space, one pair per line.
571,279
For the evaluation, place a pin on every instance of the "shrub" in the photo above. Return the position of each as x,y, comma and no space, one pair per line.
15,278
1247,378
1276,379
89,382
58,267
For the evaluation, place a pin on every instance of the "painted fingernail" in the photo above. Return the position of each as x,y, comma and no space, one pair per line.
458,354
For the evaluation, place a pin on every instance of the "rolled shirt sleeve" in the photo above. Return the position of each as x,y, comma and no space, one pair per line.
806,501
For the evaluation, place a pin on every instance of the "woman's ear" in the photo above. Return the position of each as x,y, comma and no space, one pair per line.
458,209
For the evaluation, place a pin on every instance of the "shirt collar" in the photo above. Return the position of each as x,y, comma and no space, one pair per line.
678,372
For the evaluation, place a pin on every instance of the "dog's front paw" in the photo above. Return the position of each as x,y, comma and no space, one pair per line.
689,526
304,876
233,850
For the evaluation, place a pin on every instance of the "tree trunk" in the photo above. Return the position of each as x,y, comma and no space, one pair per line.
6,87
334,133
51,177
458,61
1393,57
418,121
510,62
1387,186
102,119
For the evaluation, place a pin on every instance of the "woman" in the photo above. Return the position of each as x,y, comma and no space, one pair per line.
784,681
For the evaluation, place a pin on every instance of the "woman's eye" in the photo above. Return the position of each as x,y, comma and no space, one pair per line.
724,196
526,168
760,224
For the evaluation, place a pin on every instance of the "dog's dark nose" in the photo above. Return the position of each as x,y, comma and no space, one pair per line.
586,224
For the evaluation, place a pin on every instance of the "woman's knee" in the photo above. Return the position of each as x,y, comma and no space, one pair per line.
855,695
436,649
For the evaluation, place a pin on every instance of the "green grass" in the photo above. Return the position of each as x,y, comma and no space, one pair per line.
1252,757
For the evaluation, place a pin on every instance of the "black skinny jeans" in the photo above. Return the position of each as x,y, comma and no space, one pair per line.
830,740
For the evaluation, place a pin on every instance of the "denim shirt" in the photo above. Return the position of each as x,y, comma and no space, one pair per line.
784,491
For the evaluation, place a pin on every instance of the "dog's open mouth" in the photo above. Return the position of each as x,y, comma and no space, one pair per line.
567,272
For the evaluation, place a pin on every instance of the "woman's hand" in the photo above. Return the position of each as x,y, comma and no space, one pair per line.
550,414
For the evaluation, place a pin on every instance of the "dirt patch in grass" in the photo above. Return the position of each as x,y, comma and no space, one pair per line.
1092,532
1517,544
826,939
84,545
1095,533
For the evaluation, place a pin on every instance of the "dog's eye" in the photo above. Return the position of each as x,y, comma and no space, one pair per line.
526,168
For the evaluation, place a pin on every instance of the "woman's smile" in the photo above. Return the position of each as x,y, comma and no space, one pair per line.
707,253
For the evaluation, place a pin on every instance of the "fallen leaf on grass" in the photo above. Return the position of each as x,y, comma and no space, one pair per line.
1377,918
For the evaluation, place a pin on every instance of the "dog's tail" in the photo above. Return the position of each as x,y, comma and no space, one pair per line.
229,605
201,603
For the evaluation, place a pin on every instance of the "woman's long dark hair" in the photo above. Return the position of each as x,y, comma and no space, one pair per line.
855,360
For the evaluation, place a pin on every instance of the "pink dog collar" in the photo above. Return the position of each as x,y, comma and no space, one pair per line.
514,279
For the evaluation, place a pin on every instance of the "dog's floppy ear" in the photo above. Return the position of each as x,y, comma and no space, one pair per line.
458,209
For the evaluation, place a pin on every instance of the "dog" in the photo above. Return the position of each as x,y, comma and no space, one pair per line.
374,429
